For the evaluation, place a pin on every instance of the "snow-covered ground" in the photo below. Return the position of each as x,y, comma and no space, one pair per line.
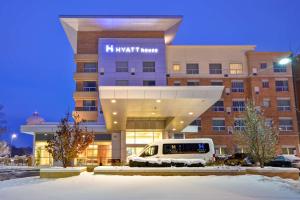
89,186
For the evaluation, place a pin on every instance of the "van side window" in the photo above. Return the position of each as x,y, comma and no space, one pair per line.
150,151
188,148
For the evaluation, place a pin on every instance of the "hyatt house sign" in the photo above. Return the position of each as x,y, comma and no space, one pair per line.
129,49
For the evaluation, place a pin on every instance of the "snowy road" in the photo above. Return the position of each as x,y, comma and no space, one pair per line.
88,186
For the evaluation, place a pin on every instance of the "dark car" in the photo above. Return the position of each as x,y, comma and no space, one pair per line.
242,159
280,161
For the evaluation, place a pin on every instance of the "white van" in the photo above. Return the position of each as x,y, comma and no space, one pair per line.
180,149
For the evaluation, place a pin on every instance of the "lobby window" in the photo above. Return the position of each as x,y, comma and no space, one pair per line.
218,106
263,65
121,66
278,67
218,125
193,82
89,86
282,86
148,66
142,137
122,82
176,67
239,124
283,105
177,83
192,68
265,84
238,105
289,150
237,86
216,82
89,105
285,124
197,122
236,68
215,68
148,83
266,103
90,67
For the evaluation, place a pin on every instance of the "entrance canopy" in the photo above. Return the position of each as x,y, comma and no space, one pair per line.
175,106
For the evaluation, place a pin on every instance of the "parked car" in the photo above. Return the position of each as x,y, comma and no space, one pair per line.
285,161
242,159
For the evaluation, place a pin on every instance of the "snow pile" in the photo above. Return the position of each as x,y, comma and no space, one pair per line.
165,162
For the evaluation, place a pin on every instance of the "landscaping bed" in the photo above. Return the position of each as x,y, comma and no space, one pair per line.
60,172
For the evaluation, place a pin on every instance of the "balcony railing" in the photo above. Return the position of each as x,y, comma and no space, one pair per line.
89,89
239,128
192,71
218,109
219,128
282,88
279,69
215,71
86,108
238,108
285,127
283,108
237,89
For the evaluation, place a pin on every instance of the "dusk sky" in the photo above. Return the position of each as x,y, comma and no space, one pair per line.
36,59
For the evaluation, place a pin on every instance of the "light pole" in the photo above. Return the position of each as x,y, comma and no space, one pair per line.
13,136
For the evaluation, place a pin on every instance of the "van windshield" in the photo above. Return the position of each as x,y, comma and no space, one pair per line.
186,148
150,151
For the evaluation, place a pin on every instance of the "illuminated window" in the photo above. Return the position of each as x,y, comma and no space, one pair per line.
141,137
176,67
235,68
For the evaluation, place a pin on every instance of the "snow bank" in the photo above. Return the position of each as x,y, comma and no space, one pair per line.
61,169
160,161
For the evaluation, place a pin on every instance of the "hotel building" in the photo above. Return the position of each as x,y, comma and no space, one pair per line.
134,87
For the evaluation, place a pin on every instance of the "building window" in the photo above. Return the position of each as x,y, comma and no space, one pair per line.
176,67
122,82
278,67
238,106
283,105
89,105
89,86
266,103
218,106
192,82
197,122
221,150
178,136
239,124
289,150
268,122
216,82
215,68
236,68
263,65
148,83
285,124
265,84
237,86
177,83
90,67
121,66
192,68
218,125
282,86
149,66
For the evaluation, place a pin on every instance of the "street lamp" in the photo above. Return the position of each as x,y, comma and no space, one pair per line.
285,61
13,136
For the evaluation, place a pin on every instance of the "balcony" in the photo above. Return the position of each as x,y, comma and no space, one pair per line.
215,71
283,108
238,108
279,69
86,57
86,108
218,109
218,128
237,89
86,76
282,88
285,127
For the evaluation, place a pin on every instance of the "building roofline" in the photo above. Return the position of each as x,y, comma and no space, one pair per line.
122,16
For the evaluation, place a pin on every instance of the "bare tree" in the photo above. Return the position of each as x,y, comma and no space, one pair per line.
68,142
2,121
258,137
4,149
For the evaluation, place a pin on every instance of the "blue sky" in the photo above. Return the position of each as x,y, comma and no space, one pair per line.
36,59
